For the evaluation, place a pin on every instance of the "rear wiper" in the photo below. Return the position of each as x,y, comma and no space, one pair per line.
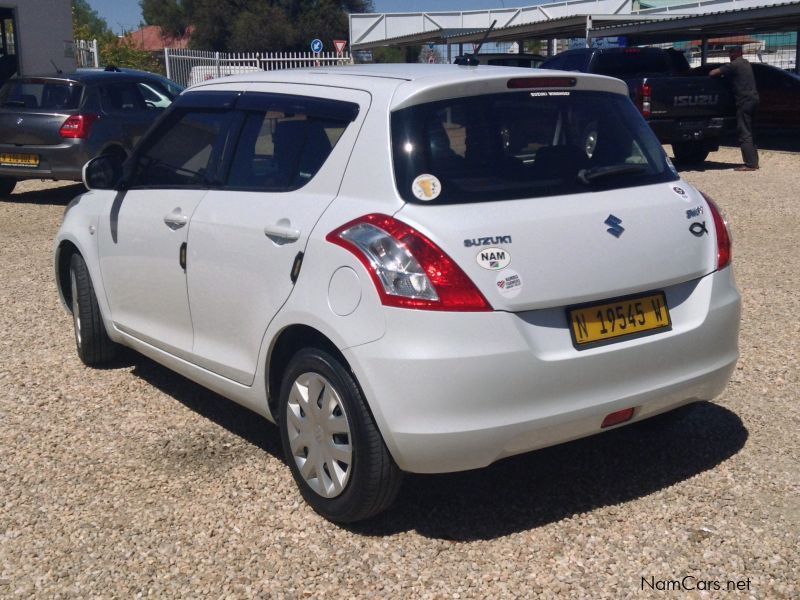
588,175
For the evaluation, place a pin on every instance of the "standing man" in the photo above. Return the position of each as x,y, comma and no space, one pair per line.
740,74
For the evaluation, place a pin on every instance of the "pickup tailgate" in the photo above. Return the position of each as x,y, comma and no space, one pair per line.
689,97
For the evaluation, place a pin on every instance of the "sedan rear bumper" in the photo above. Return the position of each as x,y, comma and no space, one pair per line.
457,391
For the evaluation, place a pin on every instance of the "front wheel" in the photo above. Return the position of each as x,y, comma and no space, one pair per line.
94,345
333,447
690,153
7,186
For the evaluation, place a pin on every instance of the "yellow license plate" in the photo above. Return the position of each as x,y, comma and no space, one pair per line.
606,322
19,160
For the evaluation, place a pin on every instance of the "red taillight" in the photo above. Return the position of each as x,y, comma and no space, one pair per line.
615,418
78,126
541,82
645,94
408,269
724,245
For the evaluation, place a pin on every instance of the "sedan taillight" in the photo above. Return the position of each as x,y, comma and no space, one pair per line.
78,126
408,269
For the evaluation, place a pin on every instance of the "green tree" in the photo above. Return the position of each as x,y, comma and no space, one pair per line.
88,25
254,25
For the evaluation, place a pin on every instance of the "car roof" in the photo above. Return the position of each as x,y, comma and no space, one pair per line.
92,75
414,82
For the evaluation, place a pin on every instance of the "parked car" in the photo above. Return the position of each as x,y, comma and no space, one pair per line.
779,92
688,110
50,126
528,61
410,268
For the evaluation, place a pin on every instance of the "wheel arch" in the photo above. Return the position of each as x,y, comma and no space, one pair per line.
288,342
66,249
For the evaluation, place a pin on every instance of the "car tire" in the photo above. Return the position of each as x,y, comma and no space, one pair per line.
7,186
94,346
322,414
690,153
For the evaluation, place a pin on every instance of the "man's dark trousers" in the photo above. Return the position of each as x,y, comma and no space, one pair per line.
745,115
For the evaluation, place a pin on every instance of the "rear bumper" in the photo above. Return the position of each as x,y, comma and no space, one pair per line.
457,391
61,161
670,131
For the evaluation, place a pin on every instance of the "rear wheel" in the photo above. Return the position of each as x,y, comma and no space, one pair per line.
94,345
6,186
333,447
690,153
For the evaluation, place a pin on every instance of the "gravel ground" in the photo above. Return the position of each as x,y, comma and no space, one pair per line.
134,481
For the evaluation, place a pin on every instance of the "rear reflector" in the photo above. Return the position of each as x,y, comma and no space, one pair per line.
78,126
615,418
541,82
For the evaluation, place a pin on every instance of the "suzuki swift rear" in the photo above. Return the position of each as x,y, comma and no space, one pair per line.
488,261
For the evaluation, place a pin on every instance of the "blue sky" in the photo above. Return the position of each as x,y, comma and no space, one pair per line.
126,14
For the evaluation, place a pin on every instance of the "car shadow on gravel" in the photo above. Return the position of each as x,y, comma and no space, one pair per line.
53,196
542,487
518,493
709,165
237,419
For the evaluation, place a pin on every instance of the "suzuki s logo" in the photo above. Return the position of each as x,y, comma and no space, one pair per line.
615,227
19,120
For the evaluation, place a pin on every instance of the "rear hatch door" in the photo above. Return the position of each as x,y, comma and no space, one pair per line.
548,199
32,110
545,252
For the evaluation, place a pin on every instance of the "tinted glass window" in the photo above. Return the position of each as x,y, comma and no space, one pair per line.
183,152
155,95
632,61
522,144
124,96
575,62
41,93
282,147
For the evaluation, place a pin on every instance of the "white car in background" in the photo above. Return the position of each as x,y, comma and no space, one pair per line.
407,267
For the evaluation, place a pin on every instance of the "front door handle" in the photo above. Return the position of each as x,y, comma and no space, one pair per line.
176,219
282,232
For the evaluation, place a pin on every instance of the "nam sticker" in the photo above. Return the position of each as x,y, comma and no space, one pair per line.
509,283
426,187
493,259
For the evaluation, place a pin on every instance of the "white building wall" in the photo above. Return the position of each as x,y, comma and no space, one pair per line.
43,34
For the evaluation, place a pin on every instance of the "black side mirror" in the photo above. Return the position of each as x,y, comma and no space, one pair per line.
103,172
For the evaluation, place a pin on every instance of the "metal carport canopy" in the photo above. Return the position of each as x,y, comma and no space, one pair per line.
742,21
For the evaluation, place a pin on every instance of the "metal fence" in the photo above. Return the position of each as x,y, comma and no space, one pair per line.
188,67
86,53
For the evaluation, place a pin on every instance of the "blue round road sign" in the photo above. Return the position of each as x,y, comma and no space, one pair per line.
316,46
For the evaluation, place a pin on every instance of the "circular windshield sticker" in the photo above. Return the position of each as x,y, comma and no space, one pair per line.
509,283
426,187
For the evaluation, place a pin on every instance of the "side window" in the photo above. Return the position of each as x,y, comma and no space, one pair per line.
154,94
121,97
284,145
556,63
183,152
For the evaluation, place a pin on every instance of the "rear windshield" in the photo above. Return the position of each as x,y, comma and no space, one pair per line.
41,93
632,61
523,145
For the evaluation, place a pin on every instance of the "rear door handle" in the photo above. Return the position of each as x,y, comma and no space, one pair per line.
282,232
176,219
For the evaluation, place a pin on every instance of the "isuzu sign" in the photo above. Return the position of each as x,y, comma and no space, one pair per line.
697,100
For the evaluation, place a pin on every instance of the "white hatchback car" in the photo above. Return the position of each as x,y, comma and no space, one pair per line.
420,268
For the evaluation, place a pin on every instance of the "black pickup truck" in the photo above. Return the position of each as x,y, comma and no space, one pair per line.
688,110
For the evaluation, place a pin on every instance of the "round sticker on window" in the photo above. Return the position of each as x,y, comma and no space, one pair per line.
509,283
426,187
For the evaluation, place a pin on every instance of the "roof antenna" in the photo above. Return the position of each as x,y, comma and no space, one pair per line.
469,60
55,66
